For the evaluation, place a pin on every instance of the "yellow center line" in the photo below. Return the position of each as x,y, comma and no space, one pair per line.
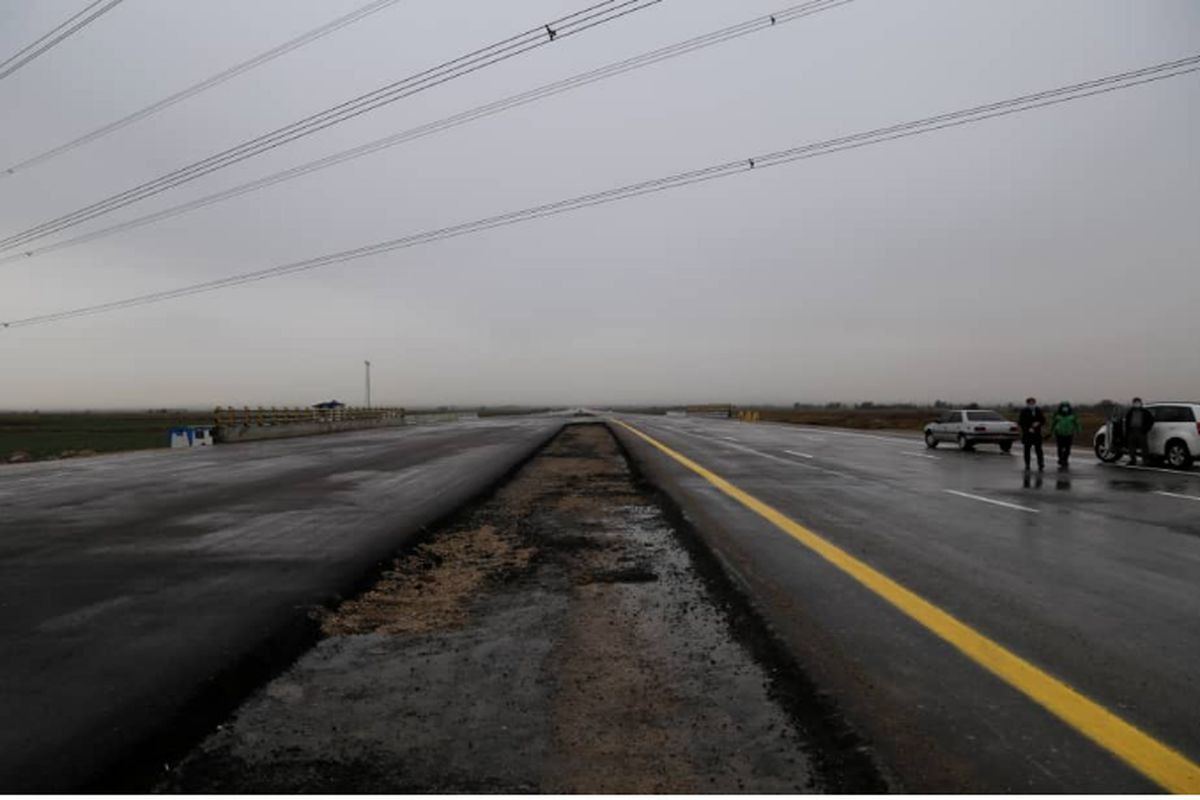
1167,767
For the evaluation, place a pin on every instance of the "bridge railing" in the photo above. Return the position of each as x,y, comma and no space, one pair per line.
231,417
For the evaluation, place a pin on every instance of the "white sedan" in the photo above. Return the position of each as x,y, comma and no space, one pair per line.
969,427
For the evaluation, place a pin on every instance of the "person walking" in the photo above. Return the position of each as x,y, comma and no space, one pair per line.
1031,421
1065,425
1138,422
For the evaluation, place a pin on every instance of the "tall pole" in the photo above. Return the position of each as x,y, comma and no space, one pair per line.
368,365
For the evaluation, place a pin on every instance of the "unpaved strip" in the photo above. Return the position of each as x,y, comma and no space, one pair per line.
558,638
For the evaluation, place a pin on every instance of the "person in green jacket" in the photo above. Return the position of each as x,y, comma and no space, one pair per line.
1065,425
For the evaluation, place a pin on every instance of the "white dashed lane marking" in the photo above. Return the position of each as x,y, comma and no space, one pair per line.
993,502
1181,496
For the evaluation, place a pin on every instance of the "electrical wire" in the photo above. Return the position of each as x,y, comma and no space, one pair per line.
54,37
1029,102
681,48
208,83
499,51
570,25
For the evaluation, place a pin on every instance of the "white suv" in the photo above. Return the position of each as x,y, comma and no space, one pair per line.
1174,437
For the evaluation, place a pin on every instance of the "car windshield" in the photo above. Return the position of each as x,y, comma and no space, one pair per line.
984,416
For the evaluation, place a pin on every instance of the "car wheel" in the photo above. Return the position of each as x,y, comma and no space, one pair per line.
964,443
1006,447
1103,453
930,440
1177,455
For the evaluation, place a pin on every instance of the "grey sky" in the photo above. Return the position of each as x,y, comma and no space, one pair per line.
1052,252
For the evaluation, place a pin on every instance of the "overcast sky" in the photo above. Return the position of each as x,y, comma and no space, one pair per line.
1053,253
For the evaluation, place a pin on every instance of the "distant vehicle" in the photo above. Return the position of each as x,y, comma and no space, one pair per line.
1175,437
969,427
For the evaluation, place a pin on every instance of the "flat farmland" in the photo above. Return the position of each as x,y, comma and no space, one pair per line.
64,435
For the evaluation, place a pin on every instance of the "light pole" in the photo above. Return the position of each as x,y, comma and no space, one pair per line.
368,366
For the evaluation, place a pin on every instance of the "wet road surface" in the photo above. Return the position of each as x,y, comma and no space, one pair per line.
558,638
140,592
1091,574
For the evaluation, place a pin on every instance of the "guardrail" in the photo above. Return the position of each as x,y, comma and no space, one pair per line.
230,417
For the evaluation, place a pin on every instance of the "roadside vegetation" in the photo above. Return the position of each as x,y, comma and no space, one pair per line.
36,436
40,436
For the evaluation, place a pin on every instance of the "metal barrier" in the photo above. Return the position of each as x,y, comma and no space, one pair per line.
230,417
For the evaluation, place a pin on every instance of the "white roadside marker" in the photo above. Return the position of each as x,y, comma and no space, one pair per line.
993,502
794,453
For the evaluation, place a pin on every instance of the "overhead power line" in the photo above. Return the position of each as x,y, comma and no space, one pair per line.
1029,102
511,47
685,47
207,83
55,36
89,14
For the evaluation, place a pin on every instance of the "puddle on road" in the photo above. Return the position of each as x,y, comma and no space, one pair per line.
558,638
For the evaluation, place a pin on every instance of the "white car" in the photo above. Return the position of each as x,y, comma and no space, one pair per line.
1174,437
969,427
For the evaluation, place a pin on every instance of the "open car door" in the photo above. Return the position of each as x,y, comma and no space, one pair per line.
1114,436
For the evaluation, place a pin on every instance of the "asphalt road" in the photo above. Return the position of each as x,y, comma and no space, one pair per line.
1092,576
140,593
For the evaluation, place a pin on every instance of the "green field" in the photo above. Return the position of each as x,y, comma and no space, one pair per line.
59,435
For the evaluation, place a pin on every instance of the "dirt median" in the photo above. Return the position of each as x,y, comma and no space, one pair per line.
557,638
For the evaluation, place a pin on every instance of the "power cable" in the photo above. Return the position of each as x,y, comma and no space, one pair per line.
207,83
501,51
54,37
480,112
1029,102
340,113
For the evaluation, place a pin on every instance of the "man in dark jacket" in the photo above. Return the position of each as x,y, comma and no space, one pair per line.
1030,421
1138,422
